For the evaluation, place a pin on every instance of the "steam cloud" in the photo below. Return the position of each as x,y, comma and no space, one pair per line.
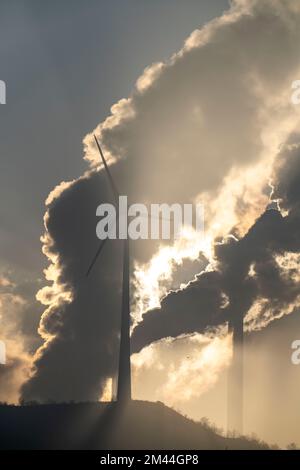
250,272
206,124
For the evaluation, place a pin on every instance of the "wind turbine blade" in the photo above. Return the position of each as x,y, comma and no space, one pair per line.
100,248
116,196
111,180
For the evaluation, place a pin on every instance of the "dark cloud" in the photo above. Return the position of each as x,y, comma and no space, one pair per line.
184,311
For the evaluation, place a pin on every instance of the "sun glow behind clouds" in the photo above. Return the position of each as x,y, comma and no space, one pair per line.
236,205
148,278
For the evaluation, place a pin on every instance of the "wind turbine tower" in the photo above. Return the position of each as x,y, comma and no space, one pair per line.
124,369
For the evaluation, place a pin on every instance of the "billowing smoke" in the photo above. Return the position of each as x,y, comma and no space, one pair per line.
205,125
81,323
257,275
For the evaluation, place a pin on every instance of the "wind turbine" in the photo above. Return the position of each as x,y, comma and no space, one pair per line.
124,370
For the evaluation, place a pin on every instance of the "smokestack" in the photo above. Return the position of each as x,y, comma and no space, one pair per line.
124,375
235,377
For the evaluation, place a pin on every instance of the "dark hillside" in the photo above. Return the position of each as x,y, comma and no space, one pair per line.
139,425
